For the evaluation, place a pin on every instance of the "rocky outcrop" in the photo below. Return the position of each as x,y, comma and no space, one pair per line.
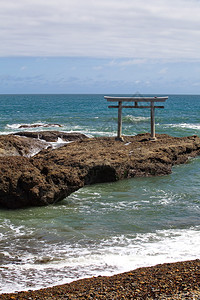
18,146
52,175
52,136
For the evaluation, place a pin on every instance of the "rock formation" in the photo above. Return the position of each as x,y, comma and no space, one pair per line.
52,175
52,136
11,145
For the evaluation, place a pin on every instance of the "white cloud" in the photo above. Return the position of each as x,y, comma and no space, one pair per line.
97,68
126,62
132,62
23,68
168,29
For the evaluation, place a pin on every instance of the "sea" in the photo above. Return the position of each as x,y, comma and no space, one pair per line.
102,229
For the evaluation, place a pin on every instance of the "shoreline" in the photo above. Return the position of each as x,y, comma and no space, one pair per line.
180,280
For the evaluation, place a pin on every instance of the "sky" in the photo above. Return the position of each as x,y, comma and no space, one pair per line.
106,47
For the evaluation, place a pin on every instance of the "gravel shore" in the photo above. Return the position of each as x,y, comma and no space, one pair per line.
179,280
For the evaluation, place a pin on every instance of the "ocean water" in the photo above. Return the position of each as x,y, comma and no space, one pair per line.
101,229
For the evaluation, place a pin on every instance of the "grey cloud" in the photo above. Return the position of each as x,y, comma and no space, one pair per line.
107,28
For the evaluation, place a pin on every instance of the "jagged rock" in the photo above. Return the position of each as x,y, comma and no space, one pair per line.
19,146
52,136
52,175
22,184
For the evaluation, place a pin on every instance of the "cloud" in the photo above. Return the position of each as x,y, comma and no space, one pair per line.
97,68
132,62
197,84
126,62
137,81
16,80
163,71
134,29
23,68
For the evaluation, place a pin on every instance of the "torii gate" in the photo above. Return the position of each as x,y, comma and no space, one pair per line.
152,106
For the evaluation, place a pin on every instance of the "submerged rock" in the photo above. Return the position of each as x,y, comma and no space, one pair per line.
52,175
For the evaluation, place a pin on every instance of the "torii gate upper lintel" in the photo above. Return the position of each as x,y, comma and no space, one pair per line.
152,106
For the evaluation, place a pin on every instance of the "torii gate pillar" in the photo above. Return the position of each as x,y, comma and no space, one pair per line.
153,135
119,128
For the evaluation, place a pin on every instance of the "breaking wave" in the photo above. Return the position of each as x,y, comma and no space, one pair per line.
184,126
133,119
33,125
60,264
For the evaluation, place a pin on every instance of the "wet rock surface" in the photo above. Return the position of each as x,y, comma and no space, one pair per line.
52,136
11,145
52,175
179,280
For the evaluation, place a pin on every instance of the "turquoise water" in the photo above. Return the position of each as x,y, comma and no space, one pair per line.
105,228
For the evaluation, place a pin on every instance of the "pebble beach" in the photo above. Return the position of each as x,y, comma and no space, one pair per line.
179,280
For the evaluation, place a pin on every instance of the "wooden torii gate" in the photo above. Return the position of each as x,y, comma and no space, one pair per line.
152,106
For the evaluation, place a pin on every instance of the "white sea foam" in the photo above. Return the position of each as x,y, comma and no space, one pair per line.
17,126
31,125
91,133
40,126
134,119
66,263
13,126
184,125
60,142
35,151
164,198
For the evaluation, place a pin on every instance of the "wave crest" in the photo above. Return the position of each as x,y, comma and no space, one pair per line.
185,125
33,125
133,119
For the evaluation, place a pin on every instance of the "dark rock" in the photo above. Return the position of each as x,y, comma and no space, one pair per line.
52,175
23,184
52,136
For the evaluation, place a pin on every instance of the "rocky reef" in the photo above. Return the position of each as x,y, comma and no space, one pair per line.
52,136
51,175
